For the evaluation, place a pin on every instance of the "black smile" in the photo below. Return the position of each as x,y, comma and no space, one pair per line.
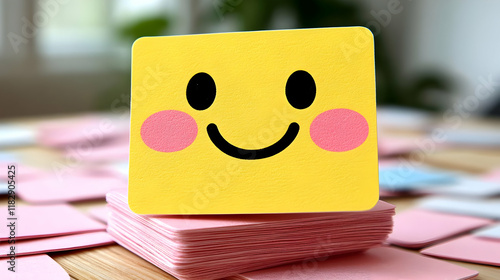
231,150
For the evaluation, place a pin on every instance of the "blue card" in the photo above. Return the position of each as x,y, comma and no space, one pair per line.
396,178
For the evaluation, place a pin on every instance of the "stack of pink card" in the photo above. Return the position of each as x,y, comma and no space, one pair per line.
214,246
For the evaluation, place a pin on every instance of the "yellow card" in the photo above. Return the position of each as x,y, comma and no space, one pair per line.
254,122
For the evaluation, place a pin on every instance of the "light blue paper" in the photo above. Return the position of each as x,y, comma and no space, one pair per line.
402,179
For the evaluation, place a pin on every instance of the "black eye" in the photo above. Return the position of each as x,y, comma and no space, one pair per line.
300,89
200,91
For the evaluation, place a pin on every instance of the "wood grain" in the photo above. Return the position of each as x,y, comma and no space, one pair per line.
108,262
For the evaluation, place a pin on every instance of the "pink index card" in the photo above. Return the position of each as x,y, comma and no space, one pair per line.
493,175
389,146
85,131
47,220
21,171
39,267
16,135
113,151
57,243
100,213
382,263
468,248
418,228
51,189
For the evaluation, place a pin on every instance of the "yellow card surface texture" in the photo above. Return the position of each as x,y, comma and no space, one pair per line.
254,122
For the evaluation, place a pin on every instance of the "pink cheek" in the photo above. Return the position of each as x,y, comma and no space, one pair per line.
169,131
339,130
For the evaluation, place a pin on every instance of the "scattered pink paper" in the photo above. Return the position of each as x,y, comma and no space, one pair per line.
493,175
468,248
39,267
47,220
89,169
57,243
22,171
51,189
84,131
383,263
389,146
418,228
114,151
100,213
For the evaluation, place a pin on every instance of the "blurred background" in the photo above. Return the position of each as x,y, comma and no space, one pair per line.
65,64
65,56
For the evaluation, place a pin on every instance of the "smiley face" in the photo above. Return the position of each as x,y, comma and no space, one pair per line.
300,91
201,92
255,122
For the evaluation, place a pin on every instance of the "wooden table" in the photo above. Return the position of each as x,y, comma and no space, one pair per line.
115,262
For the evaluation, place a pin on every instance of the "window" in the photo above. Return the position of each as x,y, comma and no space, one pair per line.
72,27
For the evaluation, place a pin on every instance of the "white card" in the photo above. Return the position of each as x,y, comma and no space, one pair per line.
479,137
398,178
8,157
395,117
121,168
3,187
489,232
472,207
464,186
13,135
